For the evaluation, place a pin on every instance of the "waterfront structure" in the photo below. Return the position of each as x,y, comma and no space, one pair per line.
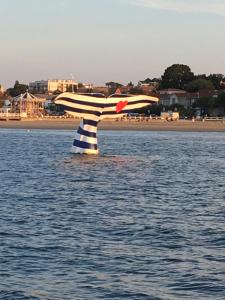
27,105
52,85
170,115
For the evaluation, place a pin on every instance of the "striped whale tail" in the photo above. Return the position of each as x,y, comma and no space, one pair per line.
92,108
85,141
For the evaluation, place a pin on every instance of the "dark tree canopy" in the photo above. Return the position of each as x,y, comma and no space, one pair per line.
199,84
148,80
1,100
176,76
201,76
130,84
205,104
220,101
113,85
17,89
216,80
3,97
80,85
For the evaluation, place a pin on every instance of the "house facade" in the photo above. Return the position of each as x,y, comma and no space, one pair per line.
175,96
169,97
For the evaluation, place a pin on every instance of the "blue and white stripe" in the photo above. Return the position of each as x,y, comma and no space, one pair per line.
85,140
94,108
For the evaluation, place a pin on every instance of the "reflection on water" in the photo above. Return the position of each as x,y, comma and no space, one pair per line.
144,220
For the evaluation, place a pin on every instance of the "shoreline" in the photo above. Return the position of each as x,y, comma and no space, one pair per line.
151,125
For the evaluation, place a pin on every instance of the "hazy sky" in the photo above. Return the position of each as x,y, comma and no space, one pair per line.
109,40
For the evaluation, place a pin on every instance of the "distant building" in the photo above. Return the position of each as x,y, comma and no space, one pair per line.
50,86
100,89
171,91
147,87
94,89
87,85
170,96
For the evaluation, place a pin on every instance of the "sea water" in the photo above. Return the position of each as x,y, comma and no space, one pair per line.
144,220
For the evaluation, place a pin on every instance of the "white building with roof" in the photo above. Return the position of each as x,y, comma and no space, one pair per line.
52,85
171,96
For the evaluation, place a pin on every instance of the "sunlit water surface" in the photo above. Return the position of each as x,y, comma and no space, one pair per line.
144,220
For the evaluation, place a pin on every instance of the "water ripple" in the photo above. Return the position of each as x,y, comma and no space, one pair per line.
144,220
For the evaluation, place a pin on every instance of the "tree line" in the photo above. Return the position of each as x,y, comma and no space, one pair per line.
180,76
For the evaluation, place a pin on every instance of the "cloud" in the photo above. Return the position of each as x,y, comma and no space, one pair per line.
184,6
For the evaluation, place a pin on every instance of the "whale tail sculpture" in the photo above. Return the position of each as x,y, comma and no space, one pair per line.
92,108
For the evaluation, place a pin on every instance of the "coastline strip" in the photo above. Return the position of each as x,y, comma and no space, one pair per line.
151,125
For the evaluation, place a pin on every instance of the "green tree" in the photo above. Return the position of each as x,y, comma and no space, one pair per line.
220,101
1,100
113,85
156,109
80,85
204,104
148,80
19,88
199,84
201,76
130,84
176,76
216,80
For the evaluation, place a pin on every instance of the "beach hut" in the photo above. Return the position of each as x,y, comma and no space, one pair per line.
28,105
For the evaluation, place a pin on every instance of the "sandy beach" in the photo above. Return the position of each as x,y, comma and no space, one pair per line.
150,125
